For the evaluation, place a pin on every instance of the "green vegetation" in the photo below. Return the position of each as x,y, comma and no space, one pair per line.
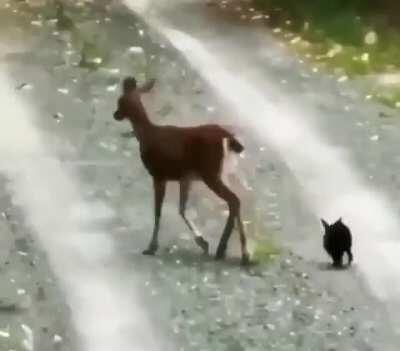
92,48
93,54
63,21
266,246
350,37
389,97
266,250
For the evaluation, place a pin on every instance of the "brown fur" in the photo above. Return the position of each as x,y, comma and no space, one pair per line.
172,153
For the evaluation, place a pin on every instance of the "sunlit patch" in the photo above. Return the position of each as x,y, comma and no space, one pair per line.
66,227
371,38
136,50
64,91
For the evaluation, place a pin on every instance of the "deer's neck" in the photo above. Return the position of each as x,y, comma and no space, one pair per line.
143,129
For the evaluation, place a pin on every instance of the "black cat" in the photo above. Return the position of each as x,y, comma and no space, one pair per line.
337,240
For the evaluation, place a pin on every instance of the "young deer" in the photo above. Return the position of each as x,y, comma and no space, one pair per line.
172,153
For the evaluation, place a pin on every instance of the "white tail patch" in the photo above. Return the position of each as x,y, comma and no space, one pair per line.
229,162
229,168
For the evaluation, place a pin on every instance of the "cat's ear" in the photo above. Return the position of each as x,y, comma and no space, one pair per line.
339,220
324,224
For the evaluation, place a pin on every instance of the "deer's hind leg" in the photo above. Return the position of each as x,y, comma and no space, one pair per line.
220,189
184,185
243,241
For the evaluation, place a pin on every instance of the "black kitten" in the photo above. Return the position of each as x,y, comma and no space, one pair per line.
337,240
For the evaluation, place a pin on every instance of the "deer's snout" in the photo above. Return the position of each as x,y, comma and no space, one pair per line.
118,116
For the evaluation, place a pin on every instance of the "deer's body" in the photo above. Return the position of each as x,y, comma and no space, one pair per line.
173,153
182,154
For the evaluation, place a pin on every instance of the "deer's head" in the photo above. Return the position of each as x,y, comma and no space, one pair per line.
129,103
128,99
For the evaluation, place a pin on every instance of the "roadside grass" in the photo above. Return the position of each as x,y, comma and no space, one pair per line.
265,242
349,38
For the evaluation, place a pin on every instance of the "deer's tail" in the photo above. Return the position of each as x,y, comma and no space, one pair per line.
231,149
235,145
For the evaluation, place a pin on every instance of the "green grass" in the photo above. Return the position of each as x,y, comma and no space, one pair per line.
334,33
389,97
266,245
93,49
266,250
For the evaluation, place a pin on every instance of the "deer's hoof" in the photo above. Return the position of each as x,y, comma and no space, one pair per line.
245,261
203,244
206,252
149,252
220,255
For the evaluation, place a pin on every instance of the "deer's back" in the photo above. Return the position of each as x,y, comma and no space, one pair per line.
174,152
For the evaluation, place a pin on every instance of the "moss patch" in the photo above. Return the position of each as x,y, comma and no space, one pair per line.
351,38
266,246
266,250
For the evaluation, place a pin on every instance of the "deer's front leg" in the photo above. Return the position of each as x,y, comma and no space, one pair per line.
159,193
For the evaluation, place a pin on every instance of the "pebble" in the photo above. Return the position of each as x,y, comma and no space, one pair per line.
24,86
4,333
37,23
112,88
8,306
63,91
136,50
58,116
57,339
28,341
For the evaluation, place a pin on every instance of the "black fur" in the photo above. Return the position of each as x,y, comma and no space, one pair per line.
337,241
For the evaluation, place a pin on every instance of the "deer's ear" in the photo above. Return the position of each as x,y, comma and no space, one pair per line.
324,224
146,87
128,84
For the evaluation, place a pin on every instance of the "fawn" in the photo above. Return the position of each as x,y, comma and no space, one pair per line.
182,154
